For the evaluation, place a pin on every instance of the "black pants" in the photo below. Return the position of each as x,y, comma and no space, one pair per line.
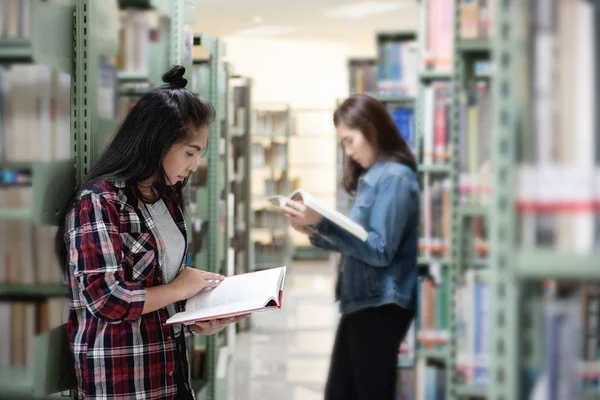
364,363
183,388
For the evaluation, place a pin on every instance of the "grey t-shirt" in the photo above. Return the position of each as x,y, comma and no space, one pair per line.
174,247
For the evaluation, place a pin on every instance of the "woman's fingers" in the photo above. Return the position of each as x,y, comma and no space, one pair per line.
295,205
291,211
212,276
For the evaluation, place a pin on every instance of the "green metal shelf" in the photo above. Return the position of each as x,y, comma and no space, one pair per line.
272,264
396,35
51,47
32,292
17,382
474,47
189,12
404,363
141,4
133,92
468,210
433,354
432,260
429,76
401,99
16,214
435,168
163,6
139,77
550,264
310,253
198,385
589,396
471,390
48,203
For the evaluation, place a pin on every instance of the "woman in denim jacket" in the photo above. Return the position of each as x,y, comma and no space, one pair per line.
378,277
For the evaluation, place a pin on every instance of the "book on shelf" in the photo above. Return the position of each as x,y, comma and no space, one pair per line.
236,295
558,176
334,216
436,32
397,66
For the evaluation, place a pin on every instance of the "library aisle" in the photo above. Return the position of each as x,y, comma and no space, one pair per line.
286,353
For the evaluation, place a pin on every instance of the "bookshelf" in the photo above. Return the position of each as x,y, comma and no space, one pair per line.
542,243
211,205
362,73
522,266
271,130
65,66
240,127
78,51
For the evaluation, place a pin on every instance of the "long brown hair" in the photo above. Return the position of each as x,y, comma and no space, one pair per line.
373,120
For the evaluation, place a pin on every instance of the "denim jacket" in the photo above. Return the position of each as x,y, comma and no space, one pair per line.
382,270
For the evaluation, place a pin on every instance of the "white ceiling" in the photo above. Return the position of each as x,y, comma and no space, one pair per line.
308,18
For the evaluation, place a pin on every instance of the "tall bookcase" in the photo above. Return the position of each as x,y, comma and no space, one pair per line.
81,39
76,44
271,129
544,244
523,272
213,209
240,123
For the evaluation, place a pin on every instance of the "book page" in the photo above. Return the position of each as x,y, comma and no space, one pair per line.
277,200
333,215
220,311
250,287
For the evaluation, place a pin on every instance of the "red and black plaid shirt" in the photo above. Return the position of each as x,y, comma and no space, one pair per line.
113,257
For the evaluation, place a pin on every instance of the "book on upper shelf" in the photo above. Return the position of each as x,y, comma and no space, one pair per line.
236,295
333,215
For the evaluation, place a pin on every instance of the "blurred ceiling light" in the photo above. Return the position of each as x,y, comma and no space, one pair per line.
364,9
264,31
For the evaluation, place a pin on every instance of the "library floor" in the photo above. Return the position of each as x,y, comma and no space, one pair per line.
285,355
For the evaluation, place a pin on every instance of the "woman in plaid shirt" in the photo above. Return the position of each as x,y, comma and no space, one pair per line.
123,244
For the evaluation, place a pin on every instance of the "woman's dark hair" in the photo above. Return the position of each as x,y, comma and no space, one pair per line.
163,117
373,120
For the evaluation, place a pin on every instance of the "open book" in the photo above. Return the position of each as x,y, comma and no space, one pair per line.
235,295
333,215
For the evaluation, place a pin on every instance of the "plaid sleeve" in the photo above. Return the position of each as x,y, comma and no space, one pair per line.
95,257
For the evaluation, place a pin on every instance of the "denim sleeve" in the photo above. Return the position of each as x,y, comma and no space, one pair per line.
394,204
319,241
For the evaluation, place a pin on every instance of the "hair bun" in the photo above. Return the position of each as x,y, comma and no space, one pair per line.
174,76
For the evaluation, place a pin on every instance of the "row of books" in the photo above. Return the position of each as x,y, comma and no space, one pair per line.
238,109
134,38
397,67
270,220
570,344
270,122
34,114
558,180
429,380
363,76
437,103
432,330
275,248
404,118
437,30
26,251
273,154
476,18
435,227
474,143
21,322
472,298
